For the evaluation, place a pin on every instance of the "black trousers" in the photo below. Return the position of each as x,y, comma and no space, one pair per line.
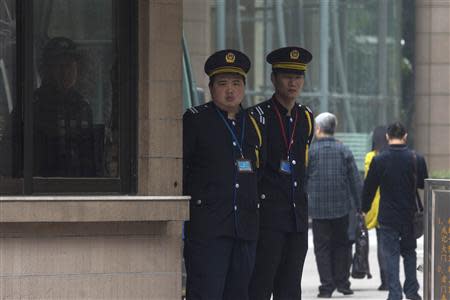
382,261
333,252
279,265
218,268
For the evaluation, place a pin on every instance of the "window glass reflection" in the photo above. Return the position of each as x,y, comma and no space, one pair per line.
63,131
9,152
360,70
75,102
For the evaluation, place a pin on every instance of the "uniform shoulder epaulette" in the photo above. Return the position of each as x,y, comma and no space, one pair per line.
258,113
305,108
309,118
266,104
197,109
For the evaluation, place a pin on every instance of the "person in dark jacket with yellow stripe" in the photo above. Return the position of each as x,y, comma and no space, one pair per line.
288,127
222,149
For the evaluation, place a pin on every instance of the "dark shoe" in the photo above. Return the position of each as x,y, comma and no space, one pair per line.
414,297
383,287
324,295
345,291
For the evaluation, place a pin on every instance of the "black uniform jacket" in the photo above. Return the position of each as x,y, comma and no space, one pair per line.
224,202
63,134
393,171
282,196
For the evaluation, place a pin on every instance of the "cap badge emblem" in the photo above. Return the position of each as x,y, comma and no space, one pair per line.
230,57
294,54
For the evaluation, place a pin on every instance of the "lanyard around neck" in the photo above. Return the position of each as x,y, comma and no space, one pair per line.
233,135
283,129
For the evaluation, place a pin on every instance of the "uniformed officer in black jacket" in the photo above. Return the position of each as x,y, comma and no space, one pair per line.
288,126
63,119
222,153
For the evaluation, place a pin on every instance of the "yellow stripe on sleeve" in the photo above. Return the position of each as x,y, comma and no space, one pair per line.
258,133
308,117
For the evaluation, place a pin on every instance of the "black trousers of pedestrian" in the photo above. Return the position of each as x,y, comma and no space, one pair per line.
279,265
218,268
333,253
382,261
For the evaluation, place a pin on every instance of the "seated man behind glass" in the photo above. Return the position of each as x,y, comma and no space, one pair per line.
63,132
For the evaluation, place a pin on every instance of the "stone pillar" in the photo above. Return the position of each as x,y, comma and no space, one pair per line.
91,247
160,97
432,83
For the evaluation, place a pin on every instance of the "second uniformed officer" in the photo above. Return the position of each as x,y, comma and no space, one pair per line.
221,147
283,238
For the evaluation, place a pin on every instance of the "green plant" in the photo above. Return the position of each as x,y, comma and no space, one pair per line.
440,174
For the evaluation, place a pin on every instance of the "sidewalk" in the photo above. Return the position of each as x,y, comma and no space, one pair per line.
365,289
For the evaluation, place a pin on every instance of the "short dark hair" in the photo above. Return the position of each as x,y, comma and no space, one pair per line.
396,130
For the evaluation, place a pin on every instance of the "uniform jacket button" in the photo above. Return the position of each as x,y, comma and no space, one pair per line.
199,202
294,162
263,196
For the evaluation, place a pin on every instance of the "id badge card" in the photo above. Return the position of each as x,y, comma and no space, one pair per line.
244,166
285,167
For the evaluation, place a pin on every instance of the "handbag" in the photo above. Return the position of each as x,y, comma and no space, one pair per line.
360,261
418,222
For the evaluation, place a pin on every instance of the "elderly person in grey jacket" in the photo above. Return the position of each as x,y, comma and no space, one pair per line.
333,182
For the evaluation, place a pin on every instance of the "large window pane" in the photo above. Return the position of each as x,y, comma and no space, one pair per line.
363,55
10,154
357,68
75,105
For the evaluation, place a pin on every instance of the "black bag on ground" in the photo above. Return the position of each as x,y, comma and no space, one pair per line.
360,263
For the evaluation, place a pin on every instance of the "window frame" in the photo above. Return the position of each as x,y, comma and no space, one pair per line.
126,28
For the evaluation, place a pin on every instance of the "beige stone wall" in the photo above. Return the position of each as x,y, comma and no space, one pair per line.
160,97
432,118
114,260
197,32
91,247
117,247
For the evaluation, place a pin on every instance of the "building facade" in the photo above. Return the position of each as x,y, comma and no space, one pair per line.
116,233
374,61
113,232
432,75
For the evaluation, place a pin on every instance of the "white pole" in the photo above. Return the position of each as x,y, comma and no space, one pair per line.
6,85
